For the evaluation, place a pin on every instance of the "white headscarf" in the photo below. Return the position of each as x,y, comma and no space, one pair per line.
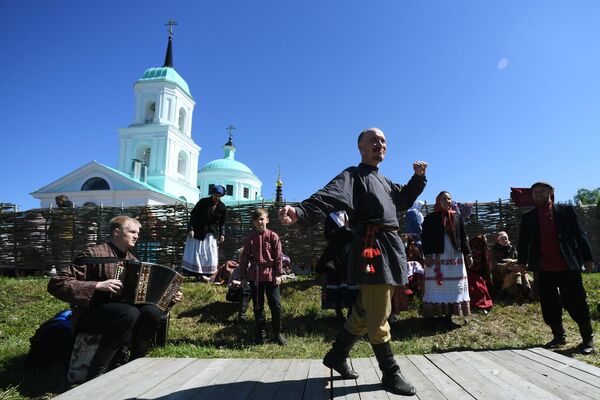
416,208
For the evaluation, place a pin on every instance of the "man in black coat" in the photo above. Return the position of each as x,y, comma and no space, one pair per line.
377,261
552,243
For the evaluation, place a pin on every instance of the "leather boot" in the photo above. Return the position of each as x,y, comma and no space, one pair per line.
559,336
277,336
139,348
261,333
392,379
336,357
587,338
100,362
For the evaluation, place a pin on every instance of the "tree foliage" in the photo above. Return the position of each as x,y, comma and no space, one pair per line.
586,196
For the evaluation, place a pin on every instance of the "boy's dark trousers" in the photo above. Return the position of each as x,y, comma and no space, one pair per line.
273,295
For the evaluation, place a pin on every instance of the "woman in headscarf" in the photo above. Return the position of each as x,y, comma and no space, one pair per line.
201,254
414,219
447,253
479,274
509,279
501,251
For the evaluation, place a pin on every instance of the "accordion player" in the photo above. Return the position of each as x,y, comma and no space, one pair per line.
143,282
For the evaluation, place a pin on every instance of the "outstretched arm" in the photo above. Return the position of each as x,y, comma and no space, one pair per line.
405,196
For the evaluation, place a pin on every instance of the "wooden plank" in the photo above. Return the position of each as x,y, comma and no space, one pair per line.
220,379
509,377
472,383
269,383
537,373
292,387
345,388
572,362
562,367
245,382
443,383
317,382
87,389
425,389
183,384
368,382
142,380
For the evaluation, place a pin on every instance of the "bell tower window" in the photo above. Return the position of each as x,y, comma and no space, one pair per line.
150,110
182,163
181,121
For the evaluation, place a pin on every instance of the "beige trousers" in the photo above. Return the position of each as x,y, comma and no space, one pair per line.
370,313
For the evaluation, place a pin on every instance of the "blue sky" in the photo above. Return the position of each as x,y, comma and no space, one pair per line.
492,94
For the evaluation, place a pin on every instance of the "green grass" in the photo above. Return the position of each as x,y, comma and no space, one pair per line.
204,325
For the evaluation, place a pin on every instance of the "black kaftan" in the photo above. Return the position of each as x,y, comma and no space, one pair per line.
369,198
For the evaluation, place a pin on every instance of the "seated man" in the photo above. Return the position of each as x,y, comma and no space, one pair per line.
90,288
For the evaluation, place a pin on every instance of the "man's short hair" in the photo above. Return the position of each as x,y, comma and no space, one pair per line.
259,212
546,184
120,221
362,133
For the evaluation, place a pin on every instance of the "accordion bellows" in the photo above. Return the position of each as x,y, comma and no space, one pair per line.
148,283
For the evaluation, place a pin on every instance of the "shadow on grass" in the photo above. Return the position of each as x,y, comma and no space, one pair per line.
34,381
216,312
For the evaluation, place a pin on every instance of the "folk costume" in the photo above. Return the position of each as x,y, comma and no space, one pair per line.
95,312
261,263
377,261
508,278
552,243
336,292
201,253
446,289
478,274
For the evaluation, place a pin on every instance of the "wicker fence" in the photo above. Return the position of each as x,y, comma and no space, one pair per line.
40,238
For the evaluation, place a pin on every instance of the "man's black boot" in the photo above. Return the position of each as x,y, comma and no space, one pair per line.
139,348
392,379
261,334
336,357
587,338
277,336
559,337
100,362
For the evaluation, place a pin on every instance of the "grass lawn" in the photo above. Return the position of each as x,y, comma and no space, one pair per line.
204,325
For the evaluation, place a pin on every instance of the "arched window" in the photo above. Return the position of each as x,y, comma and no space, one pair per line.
181,122
150,109
95,183
143,154
183,198
182,163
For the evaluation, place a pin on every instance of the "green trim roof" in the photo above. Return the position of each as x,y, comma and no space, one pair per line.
165,74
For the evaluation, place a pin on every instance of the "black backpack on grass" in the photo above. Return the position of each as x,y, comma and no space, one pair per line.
52,341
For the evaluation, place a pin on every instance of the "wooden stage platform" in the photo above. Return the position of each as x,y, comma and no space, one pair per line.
505,374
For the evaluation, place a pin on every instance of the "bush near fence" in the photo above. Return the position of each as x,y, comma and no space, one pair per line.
36,240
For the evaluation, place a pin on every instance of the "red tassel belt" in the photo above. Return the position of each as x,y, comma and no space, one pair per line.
370,250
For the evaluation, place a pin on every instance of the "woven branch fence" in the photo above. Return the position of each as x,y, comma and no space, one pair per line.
36,240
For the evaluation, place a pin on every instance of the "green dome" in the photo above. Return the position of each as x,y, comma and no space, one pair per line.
165,74
225,163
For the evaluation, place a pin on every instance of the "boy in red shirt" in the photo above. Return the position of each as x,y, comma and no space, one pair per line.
261,265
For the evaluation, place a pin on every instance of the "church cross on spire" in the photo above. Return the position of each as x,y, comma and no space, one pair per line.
170,23
229,130
169,56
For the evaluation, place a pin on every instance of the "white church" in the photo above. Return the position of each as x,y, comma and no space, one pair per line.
158,159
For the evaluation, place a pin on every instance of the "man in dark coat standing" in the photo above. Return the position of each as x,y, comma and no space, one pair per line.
377,261
552,243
